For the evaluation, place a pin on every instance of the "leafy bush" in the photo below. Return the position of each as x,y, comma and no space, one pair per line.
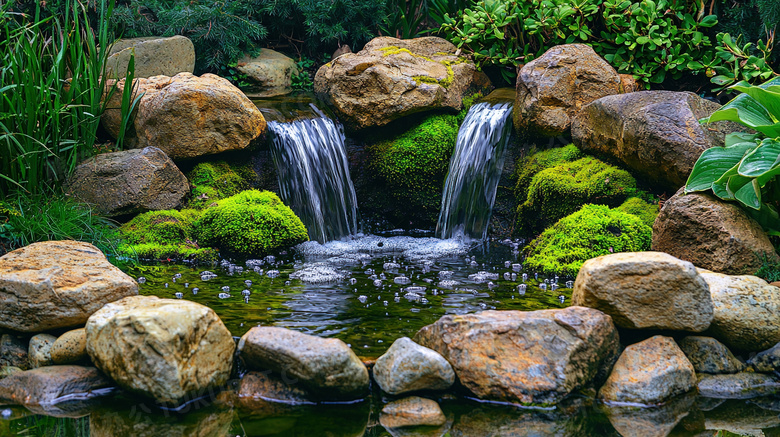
160,235
593,231
735,61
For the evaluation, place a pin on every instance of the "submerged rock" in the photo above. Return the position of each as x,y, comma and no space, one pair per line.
166,349
57,284
407,367
326,367
531,357
412,411
645,290
260,387
743,385
48,385
649,372
655,421
154,56
70,347
40,350
709,355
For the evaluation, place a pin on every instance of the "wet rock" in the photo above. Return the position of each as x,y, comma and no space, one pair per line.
743,385
201,422
265,387
6,371
269,73
188,116
407,367
532,357
13,351
327,367
57,284
129,182
657,134
645,290
40,350
392,78
712,234
656,421
512,422
154,56
741,418
70,347
766,361
552,88
709,355
48,385
649,372
412,411
166,349
746,311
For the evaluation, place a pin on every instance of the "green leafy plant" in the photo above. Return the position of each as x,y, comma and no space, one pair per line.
734,61
302,80
230,72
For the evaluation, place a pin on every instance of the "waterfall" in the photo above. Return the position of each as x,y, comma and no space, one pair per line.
475,170
311,162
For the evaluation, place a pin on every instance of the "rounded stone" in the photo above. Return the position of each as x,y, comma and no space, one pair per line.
40,350
412,411
407,367
70,347
269,73
709,355
154,56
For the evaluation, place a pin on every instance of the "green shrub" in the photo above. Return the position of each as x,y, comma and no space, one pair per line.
529,166
593,231
251,223
212,181
561,190
769,270
164,235
645,211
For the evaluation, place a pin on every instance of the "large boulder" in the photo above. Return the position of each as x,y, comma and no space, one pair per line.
327,367
712,234
649,372
47,385
391,78
552,88
746,311
57,284
531,357
154,56
166,349
645,290
129,182
187,116
407,367
655,133
269,73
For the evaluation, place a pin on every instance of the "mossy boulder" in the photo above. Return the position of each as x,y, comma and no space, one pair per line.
647,212
212,181
559,191
164,235
592,231
250,223
529,166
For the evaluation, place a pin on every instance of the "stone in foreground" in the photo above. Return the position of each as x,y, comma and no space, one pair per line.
649,372
326,367
154,56
552,88
530,357
712,234
407,367
57,284
645,290
392,78
412,411
129,182
165,349
709,355
745,385
47,385
40,350
746,311
70,347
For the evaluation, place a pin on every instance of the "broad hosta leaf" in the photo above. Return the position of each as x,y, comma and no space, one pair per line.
749,111
767,217
721,186
749,194
767,95
740,137
714,163
763,162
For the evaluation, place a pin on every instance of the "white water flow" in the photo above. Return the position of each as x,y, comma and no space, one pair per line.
475,170
311,162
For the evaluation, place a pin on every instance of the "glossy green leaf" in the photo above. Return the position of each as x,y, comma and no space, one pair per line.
714,163
762,160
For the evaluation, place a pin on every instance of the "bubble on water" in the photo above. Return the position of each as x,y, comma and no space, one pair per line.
369,271
553,286
6,413
402,280
415,289
507,276
397,299
353,281
177,276
391,266
521,289
258,270
445,274
207,276
226,289
179,295
543,286
248,283
141,280
513,277
166,285
483,277
525,277
473,264
270,259
362,298
562,298
223,295
254,263
569,284
382,276
517,267
507,264
491,285
245,292
384,303
377,283
319,273
272,273
195,290
186,285
423,300
448,284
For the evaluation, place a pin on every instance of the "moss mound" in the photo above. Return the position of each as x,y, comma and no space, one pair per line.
529,166
212,181
645,211
164,235
561,190
250,223
594,230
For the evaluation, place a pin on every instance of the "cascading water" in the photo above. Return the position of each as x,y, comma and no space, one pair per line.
311,161
475,170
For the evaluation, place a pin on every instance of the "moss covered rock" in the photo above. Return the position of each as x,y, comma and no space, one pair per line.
212,181
164,235
561,190
645,211
529,166
250,223
592,231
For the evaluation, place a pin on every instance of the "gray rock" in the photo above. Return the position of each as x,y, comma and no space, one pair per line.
412,411
40,350
766,361
407,367
709,355
47,385
519,356
129,182
489,421
154,56
645,290
743,385
655,133
6,371
746,311
13,351
712,234
327,367
269,73
649,372
656,421
257,389
70,347
741,418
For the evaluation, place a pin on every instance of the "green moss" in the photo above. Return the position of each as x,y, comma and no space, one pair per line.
212,181
529,166
163,235
561,190
250,223
593,231
645,211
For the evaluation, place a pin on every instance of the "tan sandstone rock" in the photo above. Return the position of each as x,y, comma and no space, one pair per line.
154,56
269,73
70,347
412,411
